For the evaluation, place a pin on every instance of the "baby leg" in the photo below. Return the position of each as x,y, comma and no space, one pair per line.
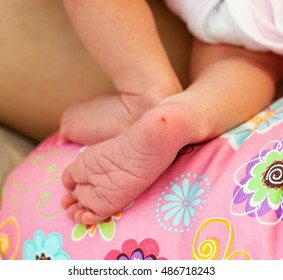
130,51
108,176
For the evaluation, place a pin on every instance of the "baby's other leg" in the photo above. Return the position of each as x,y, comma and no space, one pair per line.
230,85
130,50
52,69
234,83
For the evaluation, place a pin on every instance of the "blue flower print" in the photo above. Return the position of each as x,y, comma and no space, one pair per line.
182,202
44,248
261,123
179,205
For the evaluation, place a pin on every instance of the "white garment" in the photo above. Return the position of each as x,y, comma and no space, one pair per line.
254,24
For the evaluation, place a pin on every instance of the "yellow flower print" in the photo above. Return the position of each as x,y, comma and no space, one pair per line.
5,242
209,248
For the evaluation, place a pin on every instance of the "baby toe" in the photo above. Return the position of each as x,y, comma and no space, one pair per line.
72,210
68,200
67,179
91,218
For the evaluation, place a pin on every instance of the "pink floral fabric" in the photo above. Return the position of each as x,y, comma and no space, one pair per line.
218,200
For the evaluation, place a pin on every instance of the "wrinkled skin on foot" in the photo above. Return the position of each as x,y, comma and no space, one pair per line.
108,176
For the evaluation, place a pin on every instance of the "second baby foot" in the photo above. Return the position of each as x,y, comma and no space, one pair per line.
108,176
103,116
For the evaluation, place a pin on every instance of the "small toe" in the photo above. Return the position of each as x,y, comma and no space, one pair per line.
67,179
68,200
78,215
72,210
91,218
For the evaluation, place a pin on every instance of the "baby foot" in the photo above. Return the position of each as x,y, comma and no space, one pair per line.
108,176
102,117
